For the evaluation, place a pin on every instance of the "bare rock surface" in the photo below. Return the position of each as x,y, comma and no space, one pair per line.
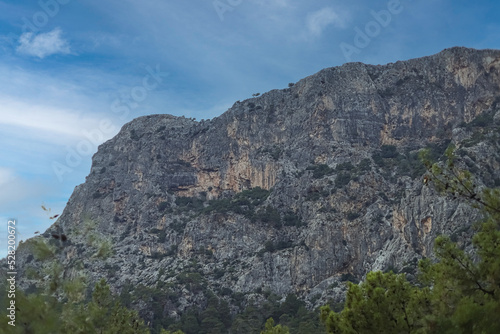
341,186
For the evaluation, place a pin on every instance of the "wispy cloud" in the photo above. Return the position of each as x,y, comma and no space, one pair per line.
45,120
317,21
43,45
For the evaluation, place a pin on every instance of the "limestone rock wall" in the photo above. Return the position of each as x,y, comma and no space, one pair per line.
150,188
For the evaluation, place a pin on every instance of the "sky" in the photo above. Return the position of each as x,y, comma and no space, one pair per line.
72,73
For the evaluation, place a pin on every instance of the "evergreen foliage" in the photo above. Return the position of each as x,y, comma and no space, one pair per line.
270,328
320,171
44,313
242,203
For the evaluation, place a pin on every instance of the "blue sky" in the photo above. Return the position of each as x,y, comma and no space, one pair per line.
73,72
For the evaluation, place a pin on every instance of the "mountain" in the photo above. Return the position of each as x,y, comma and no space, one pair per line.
292,192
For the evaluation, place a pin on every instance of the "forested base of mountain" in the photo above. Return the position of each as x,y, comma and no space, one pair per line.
216,318
43,313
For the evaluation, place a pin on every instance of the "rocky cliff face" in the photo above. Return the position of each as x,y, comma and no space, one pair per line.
293,191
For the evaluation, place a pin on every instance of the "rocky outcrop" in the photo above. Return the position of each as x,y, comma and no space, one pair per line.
341,186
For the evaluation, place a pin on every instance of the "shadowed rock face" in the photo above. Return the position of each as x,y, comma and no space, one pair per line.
337,154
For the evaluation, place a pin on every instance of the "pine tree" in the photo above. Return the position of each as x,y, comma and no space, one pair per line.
270,328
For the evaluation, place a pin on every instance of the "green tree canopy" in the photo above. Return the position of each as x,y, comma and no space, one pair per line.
270,328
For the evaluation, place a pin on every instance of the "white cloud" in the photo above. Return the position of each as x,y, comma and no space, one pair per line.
43,44
46,109
46,120
317,21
